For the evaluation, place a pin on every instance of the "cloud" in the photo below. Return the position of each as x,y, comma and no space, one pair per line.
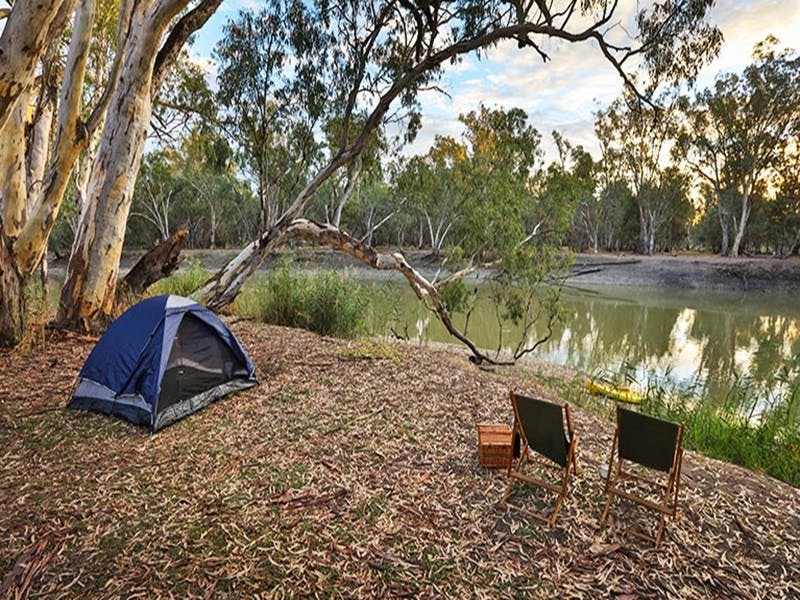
562,94
565,92
743,25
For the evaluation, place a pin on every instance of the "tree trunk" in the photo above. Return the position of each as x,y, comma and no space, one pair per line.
158,262
344,197
740,231
12,299
212,234
39,146
642,230
29,28
13,213
723,223
88,295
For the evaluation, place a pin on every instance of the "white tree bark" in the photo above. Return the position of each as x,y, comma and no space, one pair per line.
30,26
743,219
71,138
39,149
88,295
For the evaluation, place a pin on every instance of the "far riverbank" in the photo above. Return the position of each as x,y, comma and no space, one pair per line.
689,272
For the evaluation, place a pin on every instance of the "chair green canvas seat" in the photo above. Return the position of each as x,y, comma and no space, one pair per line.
540,427
656,446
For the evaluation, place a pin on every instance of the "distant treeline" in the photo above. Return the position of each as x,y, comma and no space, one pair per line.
716,171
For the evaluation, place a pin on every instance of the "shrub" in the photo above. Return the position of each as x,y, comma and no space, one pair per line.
325,302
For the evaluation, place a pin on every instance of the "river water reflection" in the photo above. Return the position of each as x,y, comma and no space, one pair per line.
697,338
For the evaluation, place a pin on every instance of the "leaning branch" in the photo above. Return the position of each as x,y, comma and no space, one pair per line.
427,293
186,26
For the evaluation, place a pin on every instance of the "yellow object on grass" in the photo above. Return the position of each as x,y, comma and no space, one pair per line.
617,392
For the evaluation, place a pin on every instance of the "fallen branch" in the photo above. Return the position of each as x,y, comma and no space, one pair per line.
158,262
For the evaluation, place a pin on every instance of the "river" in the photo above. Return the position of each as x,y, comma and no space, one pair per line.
696,339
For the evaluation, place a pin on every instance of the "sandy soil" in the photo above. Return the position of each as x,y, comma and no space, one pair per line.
351,471
689,272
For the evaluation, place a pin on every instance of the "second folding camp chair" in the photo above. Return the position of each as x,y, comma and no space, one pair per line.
539,427
656,445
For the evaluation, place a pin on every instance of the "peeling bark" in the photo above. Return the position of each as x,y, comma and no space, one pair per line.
13,196
30,26
39,146
12,306
88,295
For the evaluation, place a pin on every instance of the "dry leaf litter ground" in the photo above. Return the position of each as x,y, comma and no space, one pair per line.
345,475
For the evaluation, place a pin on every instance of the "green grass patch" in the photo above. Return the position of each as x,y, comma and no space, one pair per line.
738,428
183,282
326,302
369,349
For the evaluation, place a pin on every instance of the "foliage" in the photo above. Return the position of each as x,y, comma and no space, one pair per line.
261,109
325,302
635,139
478,201
183,282
194,181
736,428
184,101
740,132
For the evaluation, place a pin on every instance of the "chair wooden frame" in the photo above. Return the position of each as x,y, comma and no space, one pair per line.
525,456
668,507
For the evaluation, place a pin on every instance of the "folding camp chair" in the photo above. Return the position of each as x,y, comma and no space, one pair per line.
539,427
656,445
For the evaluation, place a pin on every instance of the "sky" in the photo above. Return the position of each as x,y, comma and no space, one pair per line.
564,93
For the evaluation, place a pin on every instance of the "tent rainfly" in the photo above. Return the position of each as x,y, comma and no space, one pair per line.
162,359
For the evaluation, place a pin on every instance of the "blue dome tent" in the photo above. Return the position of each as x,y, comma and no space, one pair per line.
162,359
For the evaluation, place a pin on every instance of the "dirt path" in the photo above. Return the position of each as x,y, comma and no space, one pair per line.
346,476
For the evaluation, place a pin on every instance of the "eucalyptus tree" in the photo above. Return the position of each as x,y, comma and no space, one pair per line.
571,185
155,194
637,138
432,188
737,133
367,166
377,56
149,34
267,110
784,211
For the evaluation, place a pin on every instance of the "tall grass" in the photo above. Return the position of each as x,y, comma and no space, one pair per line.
740,427
730,429
182,282
325,302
